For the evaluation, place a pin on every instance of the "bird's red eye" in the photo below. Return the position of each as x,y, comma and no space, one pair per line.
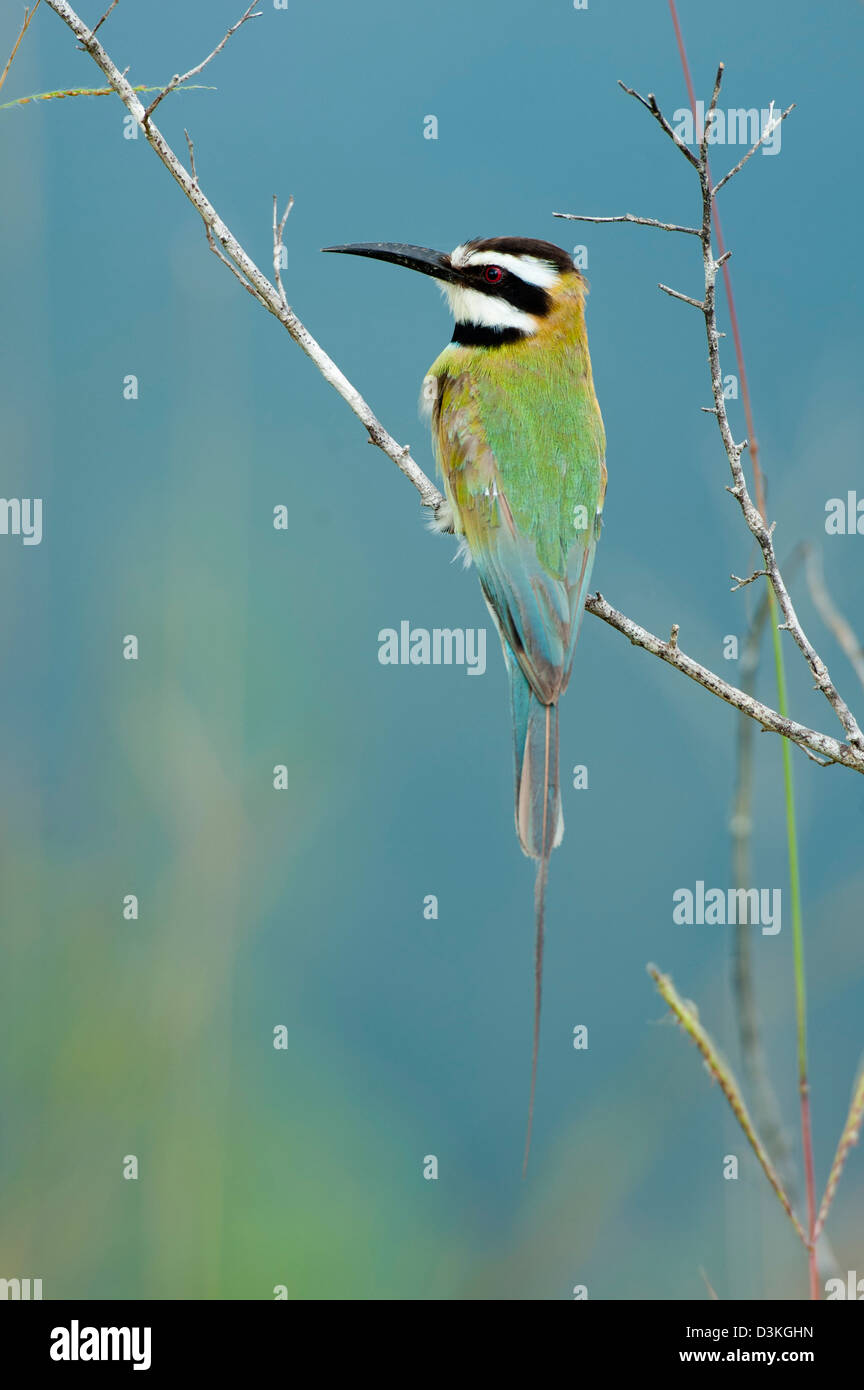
493,274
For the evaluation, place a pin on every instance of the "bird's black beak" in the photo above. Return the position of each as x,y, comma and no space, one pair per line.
421,258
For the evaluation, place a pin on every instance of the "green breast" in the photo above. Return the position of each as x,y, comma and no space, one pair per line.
523,419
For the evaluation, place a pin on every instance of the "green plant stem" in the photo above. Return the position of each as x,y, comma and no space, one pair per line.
798,953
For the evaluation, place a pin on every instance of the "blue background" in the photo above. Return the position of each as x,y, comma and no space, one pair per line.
304,908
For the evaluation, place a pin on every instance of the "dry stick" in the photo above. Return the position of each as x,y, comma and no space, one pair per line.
100,22
229,250
820,671
770,125
650,104
261,288
28,15
211,242
177,80
279,245
687,1015
831,615
628,217
742,583
676,294
757,524
850,1135
755,518
829,749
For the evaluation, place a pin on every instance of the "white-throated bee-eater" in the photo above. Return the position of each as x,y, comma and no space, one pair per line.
519,440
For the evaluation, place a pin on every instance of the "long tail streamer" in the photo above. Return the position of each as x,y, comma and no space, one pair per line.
539,937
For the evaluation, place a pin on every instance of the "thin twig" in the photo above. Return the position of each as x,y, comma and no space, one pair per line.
278,233
850,1136
28,16
177,80
753,517
676,294
741,583
771,125
650,104
720,1070
711,217
264,291
828,748
99,23
628,217
703,143
235,271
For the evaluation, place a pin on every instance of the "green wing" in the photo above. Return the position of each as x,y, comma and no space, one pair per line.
521,450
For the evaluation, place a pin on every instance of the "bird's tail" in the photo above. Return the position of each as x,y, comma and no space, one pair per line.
539,819
539,824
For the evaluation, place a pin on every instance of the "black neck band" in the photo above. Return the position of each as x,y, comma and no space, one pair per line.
477,335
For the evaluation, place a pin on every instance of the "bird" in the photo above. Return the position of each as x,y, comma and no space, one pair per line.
520,444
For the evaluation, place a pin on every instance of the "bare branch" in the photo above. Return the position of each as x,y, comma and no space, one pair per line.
753,517
238,274
770,126
628,217
830,748
741,583
719,1070
821,762
756,523
100,22
177,80
263,290
849,1137
650,104
28,16
703,143
676,294
278,233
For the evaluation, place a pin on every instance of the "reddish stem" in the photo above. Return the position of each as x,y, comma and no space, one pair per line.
753,450
807,1142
